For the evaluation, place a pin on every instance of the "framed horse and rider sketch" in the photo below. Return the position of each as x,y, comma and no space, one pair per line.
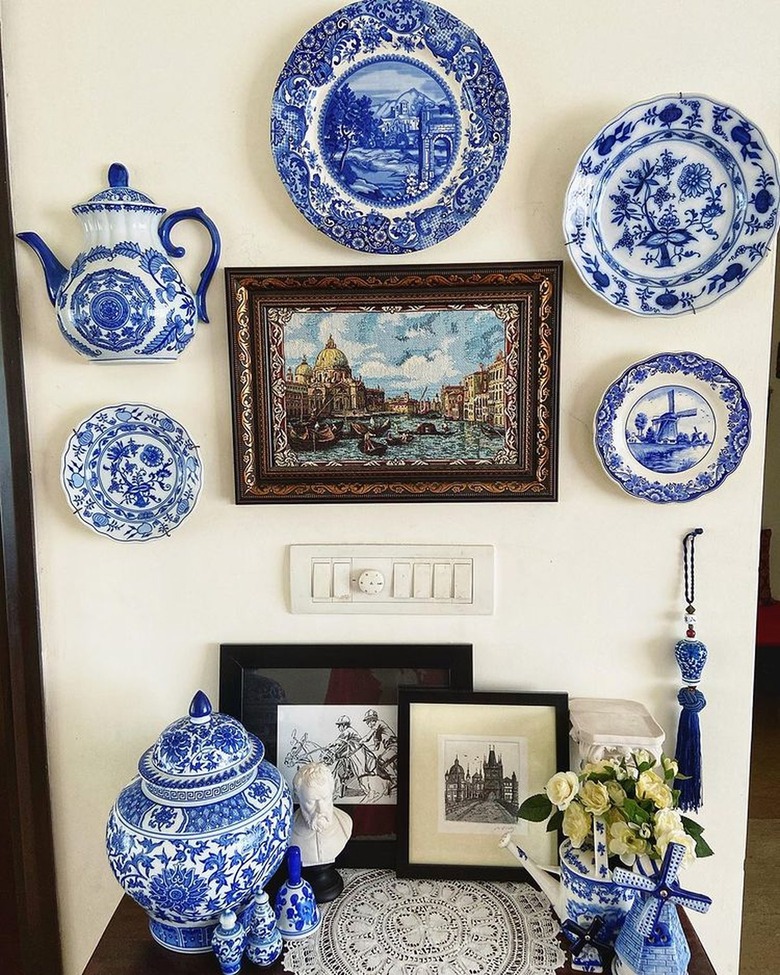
339,705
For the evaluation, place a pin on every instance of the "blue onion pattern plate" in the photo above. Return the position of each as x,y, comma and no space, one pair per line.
131,472
672,205
672,427
390,125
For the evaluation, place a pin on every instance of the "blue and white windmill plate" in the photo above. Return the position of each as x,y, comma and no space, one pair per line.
390,125
672,427
672,205
131,472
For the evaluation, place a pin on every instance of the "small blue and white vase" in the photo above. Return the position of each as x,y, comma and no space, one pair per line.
297,914
228,942
264,942
691,656
122,300
201,828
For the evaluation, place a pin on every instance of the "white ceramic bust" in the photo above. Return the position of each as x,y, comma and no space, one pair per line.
319,828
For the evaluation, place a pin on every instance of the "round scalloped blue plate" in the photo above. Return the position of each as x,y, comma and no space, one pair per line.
672,427
672,205
131,472
390,125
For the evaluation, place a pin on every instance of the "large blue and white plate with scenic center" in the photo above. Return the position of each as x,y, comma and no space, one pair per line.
390,125
131,472
672,205
672,427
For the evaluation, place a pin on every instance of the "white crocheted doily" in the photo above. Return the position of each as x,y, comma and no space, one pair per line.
383,925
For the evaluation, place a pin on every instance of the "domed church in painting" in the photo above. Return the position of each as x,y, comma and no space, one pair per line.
328,388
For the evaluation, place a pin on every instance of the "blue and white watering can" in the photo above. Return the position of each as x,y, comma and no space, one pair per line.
122,300
585,893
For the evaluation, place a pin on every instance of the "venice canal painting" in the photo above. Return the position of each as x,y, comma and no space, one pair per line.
379,386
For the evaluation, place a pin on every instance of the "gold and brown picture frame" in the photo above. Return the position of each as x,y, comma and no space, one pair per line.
425,383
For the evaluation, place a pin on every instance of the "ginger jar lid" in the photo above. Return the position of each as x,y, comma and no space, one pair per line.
204,755
118,195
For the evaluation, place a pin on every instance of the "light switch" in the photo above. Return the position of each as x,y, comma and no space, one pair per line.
462,580
422,580
402,580
442,580
320,580
341,572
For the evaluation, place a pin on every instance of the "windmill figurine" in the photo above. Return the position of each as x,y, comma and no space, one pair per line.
590,952
652,938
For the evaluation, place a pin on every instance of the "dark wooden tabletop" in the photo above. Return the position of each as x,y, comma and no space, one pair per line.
127,948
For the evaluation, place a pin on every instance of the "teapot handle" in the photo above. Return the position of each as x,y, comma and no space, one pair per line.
194,213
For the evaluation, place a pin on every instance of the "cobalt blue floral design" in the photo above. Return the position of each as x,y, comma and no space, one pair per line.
390,125
672,205
696,438
131,472
201,828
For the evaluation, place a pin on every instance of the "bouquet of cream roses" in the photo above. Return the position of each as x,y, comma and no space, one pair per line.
636,799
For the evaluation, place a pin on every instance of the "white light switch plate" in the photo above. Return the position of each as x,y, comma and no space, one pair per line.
410,579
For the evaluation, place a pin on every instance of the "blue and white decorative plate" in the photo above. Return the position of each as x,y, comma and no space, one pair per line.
390,125
672,205
672,427
131,472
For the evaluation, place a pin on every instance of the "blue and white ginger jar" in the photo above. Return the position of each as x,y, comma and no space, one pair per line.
122,300
201,828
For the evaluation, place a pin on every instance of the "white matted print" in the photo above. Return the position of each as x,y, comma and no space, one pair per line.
358,743
481,782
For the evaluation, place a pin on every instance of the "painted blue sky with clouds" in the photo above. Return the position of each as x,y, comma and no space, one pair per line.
400,352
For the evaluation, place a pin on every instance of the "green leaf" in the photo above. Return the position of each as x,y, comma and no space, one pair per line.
692,828
634,812
535,808
555,821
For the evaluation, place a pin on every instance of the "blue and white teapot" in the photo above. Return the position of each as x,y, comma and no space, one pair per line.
123,300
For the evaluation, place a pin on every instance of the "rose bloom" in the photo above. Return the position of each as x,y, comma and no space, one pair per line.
624,842
562,788
595,798
651,786
683,839
642,757
670,765
576,824
667,821
616,793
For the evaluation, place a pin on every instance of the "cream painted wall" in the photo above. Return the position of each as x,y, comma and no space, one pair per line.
588,589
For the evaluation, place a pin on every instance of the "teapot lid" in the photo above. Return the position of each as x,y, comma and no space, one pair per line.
200,756
118,192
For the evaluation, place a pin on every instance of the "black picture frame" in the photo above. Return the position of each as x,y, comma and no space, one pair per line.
313,424
431,725
255,678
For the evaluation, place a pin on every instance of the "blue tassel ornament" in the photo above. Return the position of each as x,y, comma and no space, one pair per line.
691,656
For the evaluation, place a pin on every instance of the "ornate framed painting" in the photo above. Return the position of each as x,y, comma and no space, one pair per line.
338,705
425,383
466,763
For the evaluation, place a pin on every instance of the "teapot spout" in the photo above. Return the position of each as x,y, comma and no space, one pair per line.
54,272
550,887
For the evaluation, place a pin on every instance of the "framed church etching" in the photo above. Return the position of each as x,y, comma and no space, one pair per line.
466,762
424,383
